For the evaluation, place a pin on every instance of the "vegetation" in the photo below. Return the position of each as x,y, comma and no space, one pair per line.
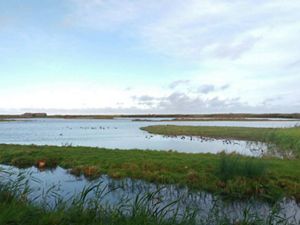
43,115
6,120
227,116
286,140
230,167
199,171
220,115
17,208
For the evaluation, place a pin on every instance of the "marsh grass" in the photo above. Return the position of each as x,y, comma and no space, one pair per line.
231,166
197,171
286,140
145,209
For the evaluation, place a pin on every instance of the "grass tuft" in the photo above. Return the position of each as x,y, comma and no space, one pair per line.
232,166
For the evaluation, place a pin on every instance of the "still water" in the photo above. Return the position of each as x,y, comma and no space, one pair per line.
49,185
126,134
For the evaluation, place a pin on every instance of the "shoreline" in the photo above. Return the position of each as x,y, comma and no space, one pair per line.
286,140
197,171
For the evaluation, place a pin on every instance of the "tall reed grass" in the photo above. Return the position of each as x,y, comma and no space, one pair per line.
231,166
147,209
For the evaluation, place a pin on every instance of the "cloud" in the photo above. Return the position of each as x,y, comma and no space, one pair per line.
236,42
190,86
144,98
204,89
221,29
177,83
173,102
209,88
128,89
181,102
195,29
224,87
234,55
235,50
271,100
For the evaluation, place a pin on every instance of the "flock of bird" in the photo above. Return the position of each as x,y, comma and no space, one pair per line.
196,138
191,138
91,128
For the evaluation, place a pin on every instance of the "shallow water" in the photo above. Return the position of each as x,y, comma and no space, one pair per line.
67,185
126,134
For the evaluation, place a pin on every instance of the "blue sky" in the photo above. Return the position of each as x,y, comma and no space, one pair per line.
112,56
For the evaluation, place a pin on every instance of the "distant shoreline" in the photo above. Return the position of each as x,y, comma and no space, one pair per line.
176,117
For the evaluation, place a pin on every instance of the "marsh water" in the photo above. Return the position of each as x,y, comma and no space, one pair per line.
124,133
50,185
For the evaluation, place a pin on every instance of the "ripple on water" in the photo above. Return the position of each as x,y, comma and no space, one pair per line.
65,185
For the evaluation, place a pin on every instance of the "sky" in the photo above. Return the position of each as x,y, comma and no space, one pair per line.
141,56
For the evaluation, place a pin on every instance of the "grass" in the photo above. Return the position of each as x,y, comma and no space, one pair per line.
17,208
230,167
7,120
285,140
197,171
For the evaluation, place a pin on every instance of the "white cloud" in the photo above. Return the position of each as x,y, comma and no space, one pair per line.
177,83
245,56
252,33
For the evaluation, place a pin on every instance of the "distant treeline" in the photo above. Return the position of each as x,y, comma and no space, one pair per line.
44,115
223,115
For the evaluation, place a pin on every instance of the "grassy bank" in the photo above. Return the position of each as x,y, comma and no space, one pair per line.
285,139
16,208
198,171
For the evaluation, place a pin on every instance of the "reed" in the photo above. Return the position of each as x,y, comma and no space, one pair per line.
17,208
231,166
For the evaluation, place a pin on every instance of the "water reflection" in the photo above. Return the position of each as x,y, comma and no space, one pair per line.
48,185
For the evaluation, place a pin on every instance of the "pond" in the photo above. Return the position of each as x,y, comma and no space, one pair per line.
124,133
49,185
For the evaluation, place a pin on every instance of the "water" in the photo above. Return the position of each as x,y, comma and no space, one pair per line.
67,186
126,134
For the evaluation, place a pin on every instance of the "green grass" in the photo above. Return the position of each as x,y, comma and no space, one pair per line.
17,209
285,140
197,171
235,166
26,214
